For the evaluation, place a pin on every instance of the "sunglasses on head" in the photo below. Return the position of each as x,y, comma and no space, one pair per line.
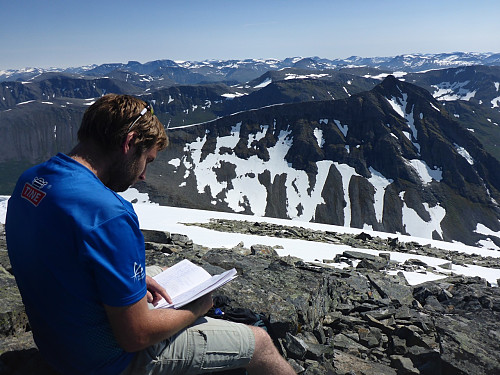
148,107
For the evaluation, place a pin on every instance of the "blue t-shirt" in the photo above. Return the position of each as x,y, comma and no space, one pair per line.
74,245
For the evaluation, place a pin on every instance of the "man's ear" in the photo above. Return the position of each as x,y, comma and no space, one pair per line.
128,143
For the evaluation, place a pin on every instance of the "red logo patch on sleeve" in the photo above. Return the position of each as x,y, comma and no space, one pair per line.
32,194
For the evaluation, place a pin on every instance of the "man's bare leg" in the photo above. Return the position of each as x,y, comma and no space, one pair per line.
266,358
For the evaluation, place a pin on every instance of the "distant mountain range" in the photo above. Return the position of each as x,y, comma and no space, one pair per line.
403,144
190,72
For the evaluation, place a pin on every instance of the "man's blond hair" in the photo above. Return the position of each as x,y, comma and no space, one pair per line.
107,122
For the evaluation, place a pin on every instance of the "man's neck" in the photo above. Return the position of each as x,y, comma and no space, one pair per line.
91,157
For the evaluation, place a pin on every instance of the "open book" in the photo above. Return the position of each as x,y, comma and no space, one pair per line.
185,282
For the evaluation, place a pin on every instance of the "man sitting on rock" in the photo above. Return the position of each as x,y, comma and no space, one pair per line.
78,257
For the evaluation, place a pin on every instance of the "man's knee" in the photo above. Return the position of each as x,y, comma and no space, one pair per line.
266,358
262,339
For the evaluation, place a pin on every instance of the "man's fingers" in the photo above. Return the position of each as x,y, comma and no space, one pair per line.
149,297
157,289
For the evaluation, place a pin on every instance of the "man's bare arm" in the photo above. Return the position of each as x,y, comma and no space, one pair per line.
136,327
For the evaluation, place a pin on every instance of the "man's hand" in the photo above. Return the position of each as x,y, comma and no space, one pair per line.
200,306
156,292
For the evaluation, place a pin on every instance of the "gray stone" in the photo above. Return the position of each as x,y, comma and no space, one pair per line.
376,264
343,342
369,337
263,250
296,347
446,266
181,240
393,287
359,255
163,248
386,256
155,236
403,365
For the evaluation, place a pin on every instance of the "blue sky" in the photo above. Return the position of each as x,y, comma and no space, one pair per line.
64,33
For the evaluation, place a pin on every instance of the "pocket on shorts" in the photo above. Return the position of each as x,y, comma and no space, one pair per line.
218,356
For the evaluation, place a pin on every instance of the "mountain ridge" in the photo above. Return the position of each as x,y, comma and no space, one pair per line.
406,62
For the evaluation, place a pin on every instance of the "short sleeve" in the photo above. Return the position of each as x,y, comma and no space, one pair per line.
114,251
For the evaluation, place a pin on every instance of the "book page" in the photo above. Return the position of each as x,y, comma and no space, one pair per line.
181,277
186,282
207,286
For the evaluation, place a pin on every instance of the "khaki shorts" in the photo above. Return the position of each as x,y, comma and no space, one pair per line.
207,345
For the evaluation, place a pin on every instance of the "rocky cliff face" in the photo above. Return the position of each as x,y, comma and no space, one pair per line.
43,130
384,159
356,320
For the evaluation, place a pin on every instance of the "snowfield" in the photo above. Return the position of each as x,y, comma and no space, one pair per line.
173,220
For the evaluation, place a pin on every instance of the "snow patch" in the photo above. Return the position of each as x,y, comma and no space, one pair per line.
175,162
483,229
133,195
29,101
425,173
447,91
463,152
305,76
380,183
433,106
411,124
383,76
232,95
400,107
318,134
488,244
416,226
264,83
396,104
343,128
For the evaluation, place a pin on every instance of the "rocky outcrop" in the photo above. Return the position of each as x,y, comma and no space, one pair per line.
324,320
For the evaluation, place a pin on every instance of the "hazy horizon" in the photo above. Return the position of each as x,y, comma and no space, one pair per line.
67,34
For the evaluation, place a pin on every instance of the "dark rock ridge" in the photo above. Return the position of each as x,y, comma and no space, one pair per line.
356,320
186,104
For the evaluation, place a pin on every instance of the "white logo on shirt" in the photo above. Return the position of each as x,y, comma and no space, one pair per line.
138,272
39,182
